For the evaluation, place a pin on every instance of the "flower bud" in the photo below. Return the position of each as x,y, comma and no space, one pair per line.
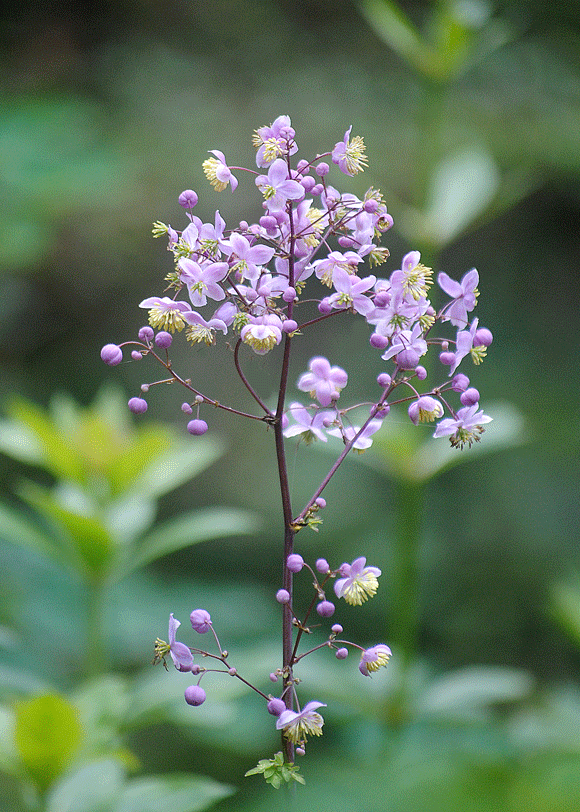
378,341
322,566
421,373
111,354
137,405
289,326
384,380
325,609
294,562
186,408
321,502
188,199
163,339
200,620
136,355
289,294
197,427
470,397
336,629
276,707
146,333
322,169
447,358
483,337
460,382
341,653
282,596
195,695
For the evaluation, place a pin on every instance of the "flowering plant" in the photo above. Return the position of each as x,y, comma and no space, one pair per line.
266,284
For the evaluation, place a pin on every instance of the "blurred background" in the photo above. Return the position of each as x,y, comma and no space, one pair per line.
470,111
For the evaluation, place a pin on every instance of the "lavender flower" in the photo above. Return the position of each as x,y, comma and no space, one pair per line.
297,725
180,654
373,658
359,584
322,381
465,429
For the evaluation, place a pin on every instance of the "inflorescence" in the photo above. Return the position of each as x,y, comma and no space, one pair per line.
266,283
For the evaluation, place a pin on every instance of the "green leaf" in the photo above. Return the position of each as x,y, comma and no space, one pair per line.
395,29
21,531
59,457
91,540
20,443
182,463
47,734
462,187
182,793
91,788
191,528
565,607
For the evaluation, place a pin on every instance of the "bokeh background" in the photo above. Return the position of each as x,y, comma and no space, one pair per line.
470,111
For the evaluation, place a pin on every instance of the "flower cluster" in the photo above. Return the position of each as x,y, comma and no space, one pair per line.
255,280
355,582
306,260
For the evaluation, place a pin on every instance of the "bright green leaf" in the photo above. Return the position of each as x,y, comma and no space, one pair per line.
92,788
185,793
186,530
47,735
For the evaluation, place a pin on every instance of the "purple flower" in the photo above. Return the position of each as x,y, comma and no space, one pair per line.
350,155
407,347
277,188
464,294
350,292
322,381
373,658
165,313
297,725
466,428
180,654
425,410
247,258
111,354
364,440
202,280
359,584
218,172
309,425
274,141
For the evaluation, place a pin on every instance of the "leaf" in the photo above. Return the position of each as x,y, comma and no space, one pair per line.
182,463
47,735
20,443
191,528
565,608
23,532
91,540
184,793
91,788
462,187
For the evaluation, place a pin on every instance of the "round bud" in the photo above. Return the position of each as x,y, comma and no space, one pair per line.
136,355
308,183
325,609
282,596
144,387
300,751
460,382
336,628
289,294
345,242
483,337
408,359
268,222
244,225
111,354
197,427
317,189
196,669
302,165
341,654
146,333
137,405
232,672
447,358
273,677
200,620
188,199
289,326
195,695
276,707
470,397
324,307
163,339
384,380
322,566
322,169
382,298
371,205
320,501
294,562
378,341
186,408
421,373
